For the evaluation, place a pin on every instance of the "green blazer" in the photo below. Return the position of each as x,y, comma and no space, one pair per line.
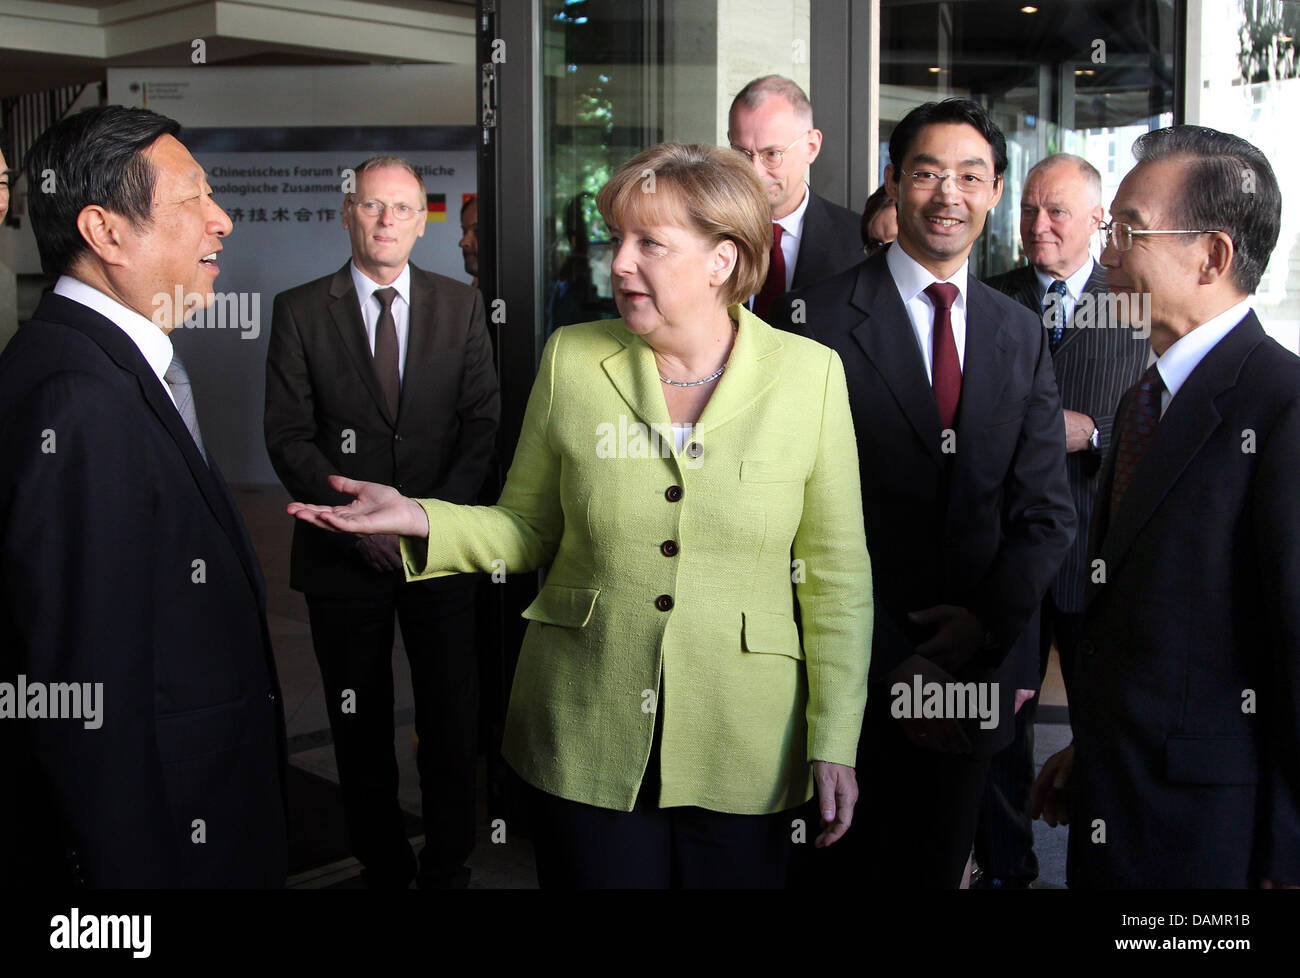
670,585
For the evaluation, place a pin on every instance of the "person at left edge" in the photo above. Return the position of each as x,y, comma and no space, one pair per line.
382,370
124,561
670,466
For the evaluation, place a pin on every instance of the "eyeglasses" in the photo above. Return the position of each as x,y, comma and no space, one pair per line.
771,157
376,208
967,183
1121,235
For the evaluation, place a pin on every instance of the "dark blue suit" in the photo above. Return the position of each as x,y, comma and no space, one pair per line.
107,510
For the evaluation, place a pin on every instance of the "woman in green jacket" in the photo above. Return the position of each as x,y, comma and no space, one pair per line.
688,473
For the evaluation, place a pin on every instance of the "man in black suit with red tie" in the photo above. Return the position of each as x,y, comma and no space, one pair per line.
382,371
962,457
124,565
771,123
1185,700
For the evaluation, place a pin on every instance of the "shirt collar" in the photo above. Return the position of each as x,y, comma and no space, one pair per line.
154,345
1177,363
912,278
366,286
792,223
1074,284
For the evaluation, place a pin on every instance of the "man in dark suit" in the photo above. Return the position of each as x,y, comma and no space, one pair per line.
382,371
771,122
962,458
1095,362
125,570
1185,702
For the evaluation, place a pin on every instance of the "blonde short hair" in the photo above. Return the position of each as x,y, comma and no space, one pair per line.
710,190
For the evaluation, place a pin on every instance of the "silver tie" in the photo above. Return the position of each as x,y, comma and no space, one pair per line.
179,382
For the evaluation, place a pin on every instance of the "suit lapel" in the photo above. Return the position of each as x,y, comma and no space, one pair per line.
889,342
982,375
1027,291
1192,417
634,375
127,356
345,311
748,375
419,339
812,241
1095,286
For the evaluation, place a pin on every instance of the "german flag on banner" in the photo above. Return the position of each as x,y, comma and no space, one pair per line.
437,207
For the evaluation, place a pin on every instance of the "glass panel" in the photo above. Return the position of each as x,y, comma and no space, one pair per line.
599,78
621,75
1085,78
1249,85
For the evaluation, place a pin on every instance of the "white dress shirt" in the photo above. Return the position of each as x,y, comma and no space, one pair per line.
154,345
1074,285
911,280
1177,363
791,235
370,309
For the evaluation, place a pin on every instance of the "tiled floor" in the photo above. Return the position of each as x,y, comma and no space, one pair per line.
495,864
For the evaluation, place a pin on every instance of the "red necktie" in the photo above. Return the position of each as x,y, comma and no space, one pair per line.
775,283
1135,432
945,369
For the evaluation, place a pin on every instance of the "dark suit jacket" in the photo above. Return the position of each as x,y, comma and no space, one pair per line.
1197,785
107,508
985,527
1095,364
325,413
830,243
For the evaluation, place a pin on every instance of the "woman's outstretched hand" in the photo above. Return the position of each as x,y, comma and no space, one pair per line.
376,509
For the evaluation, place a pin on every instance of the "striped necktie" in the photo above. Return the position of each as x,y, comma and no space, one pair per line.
179,382
1054,312
1135,433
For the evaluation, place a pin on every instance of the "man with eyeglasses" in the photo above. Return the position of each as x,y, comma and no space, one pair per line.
1185,702
771,123
383,371
961,453
1095,362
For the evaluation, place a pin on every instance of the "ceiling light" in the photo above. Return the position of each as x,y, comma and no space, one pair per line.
1029,10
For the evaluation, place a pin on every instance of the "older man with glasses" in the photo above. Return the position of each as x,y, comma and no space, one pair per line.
383,371
1185,702
771,123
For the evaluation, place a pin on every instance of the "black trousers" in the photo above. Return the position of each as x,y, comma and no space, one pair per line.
584,847
1004,841
915,817
353,639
